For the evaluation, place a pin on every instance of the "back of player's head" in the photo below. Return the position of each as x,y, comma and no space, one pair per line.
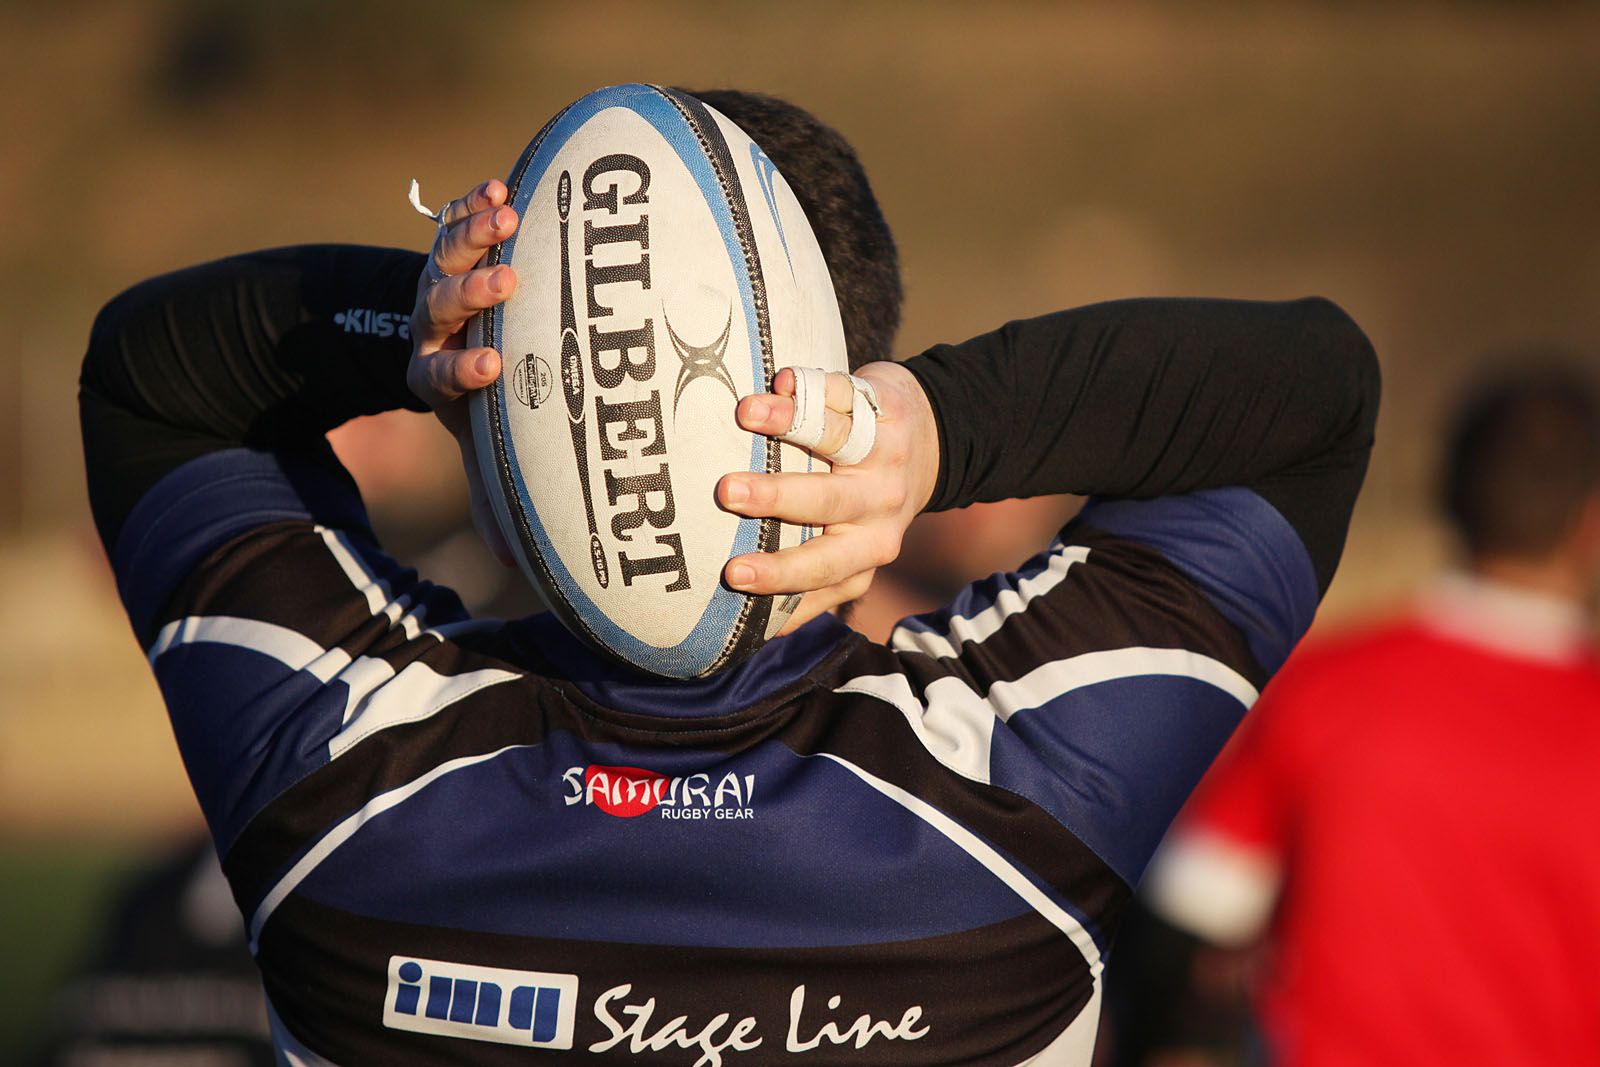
828,180
1523,459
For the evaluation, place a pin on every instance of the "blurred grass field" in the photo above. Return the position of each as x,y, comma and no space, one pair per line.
52,899
1430,166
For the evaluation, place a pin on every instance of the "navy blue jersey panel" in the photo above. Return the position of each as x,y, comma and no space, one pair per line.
1237,548
247,726
779,851
208,501
983,594
1115,761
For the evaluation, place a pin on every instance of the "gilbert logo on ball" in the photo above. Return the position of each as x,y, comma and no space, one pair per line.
666,270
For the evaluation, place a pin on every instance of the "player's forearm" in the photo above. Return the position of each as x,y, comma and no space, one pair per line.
1145,398
263,346
268,349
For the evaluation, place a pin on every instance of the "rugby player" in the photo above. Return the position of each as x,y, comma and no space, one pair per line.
1412,788
454,839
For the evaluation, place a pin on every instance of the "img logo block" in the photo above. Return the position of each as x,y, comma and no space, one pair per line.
481,1003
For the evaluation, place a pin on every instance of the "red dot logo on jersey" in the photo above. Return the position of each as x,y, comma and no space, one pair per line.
626,792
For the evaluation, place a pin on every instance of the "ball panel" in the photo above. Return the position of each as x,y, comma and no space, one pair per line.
663,266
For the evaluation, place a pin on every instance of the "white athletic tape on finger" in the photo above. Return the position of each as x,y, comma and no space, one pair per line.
416,202
864,415
810,407
865,390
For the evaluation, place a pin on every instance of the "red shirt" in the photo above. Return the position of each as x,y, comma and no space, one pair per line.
1432,801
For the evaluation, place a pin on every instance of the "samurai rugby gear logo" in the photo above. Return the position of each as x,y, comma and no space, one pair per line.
629,792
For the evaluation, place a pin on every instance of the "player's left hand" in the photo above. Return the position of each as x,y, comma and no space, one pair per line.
864,508
451,290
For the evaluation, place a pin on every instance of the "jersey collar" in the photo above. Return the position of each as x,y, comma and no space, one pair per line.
1506,619
777,665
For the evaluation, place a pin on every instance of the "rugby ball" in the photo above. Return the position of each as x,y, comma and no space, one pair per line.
665,270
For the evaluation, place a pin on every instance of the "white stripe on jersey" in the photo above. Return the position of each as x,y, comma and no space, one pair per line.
1058,677
991,860
375,590
375,697
417,692
289,647
956,725
962,630
345,830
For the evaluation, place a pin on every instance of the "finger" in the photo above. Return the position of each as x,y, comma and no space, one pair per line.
817,564
491,193
483,518
835,429
818,499
766,413
456,299
772,414
449,374
840,395
462,244
482,511
819,601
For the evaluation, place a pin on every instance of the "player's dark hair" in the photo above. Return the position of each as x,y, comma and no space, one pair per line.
1523,456
828,180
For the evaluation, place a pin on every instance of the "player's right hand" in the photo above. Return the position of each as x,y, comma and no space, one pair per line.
864,508
452,289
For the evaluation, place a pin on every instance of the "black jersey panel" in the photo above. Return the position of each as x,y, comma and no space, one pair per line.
933,1001
1237,549
211,500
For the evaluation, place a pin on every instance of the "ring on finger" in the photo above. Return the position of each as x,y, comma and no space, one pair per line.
432,272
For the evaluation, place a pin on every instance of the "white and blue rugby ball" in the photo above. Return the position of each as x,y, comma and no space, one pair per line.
666,270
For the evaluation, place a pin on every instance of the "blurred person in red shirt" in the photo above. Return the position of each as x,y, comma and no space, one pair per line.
1409,815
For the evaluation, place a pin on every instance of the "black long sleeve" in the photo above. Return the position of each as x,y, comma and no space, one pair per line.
1133,398
271,349
1144,398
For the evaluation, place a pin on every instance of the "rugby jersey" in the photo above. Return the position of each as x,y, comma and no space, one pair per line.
472,841
1419,790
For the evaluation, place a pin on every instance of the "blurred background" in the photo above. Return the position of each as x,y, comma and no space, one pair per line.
1432,167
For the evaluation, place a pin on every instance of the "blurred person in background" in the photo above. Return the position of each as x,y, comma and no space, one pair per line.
1408,817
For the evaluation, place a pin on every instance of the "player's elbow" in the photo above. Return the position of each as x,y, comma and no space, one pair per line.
1345,356
107,337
